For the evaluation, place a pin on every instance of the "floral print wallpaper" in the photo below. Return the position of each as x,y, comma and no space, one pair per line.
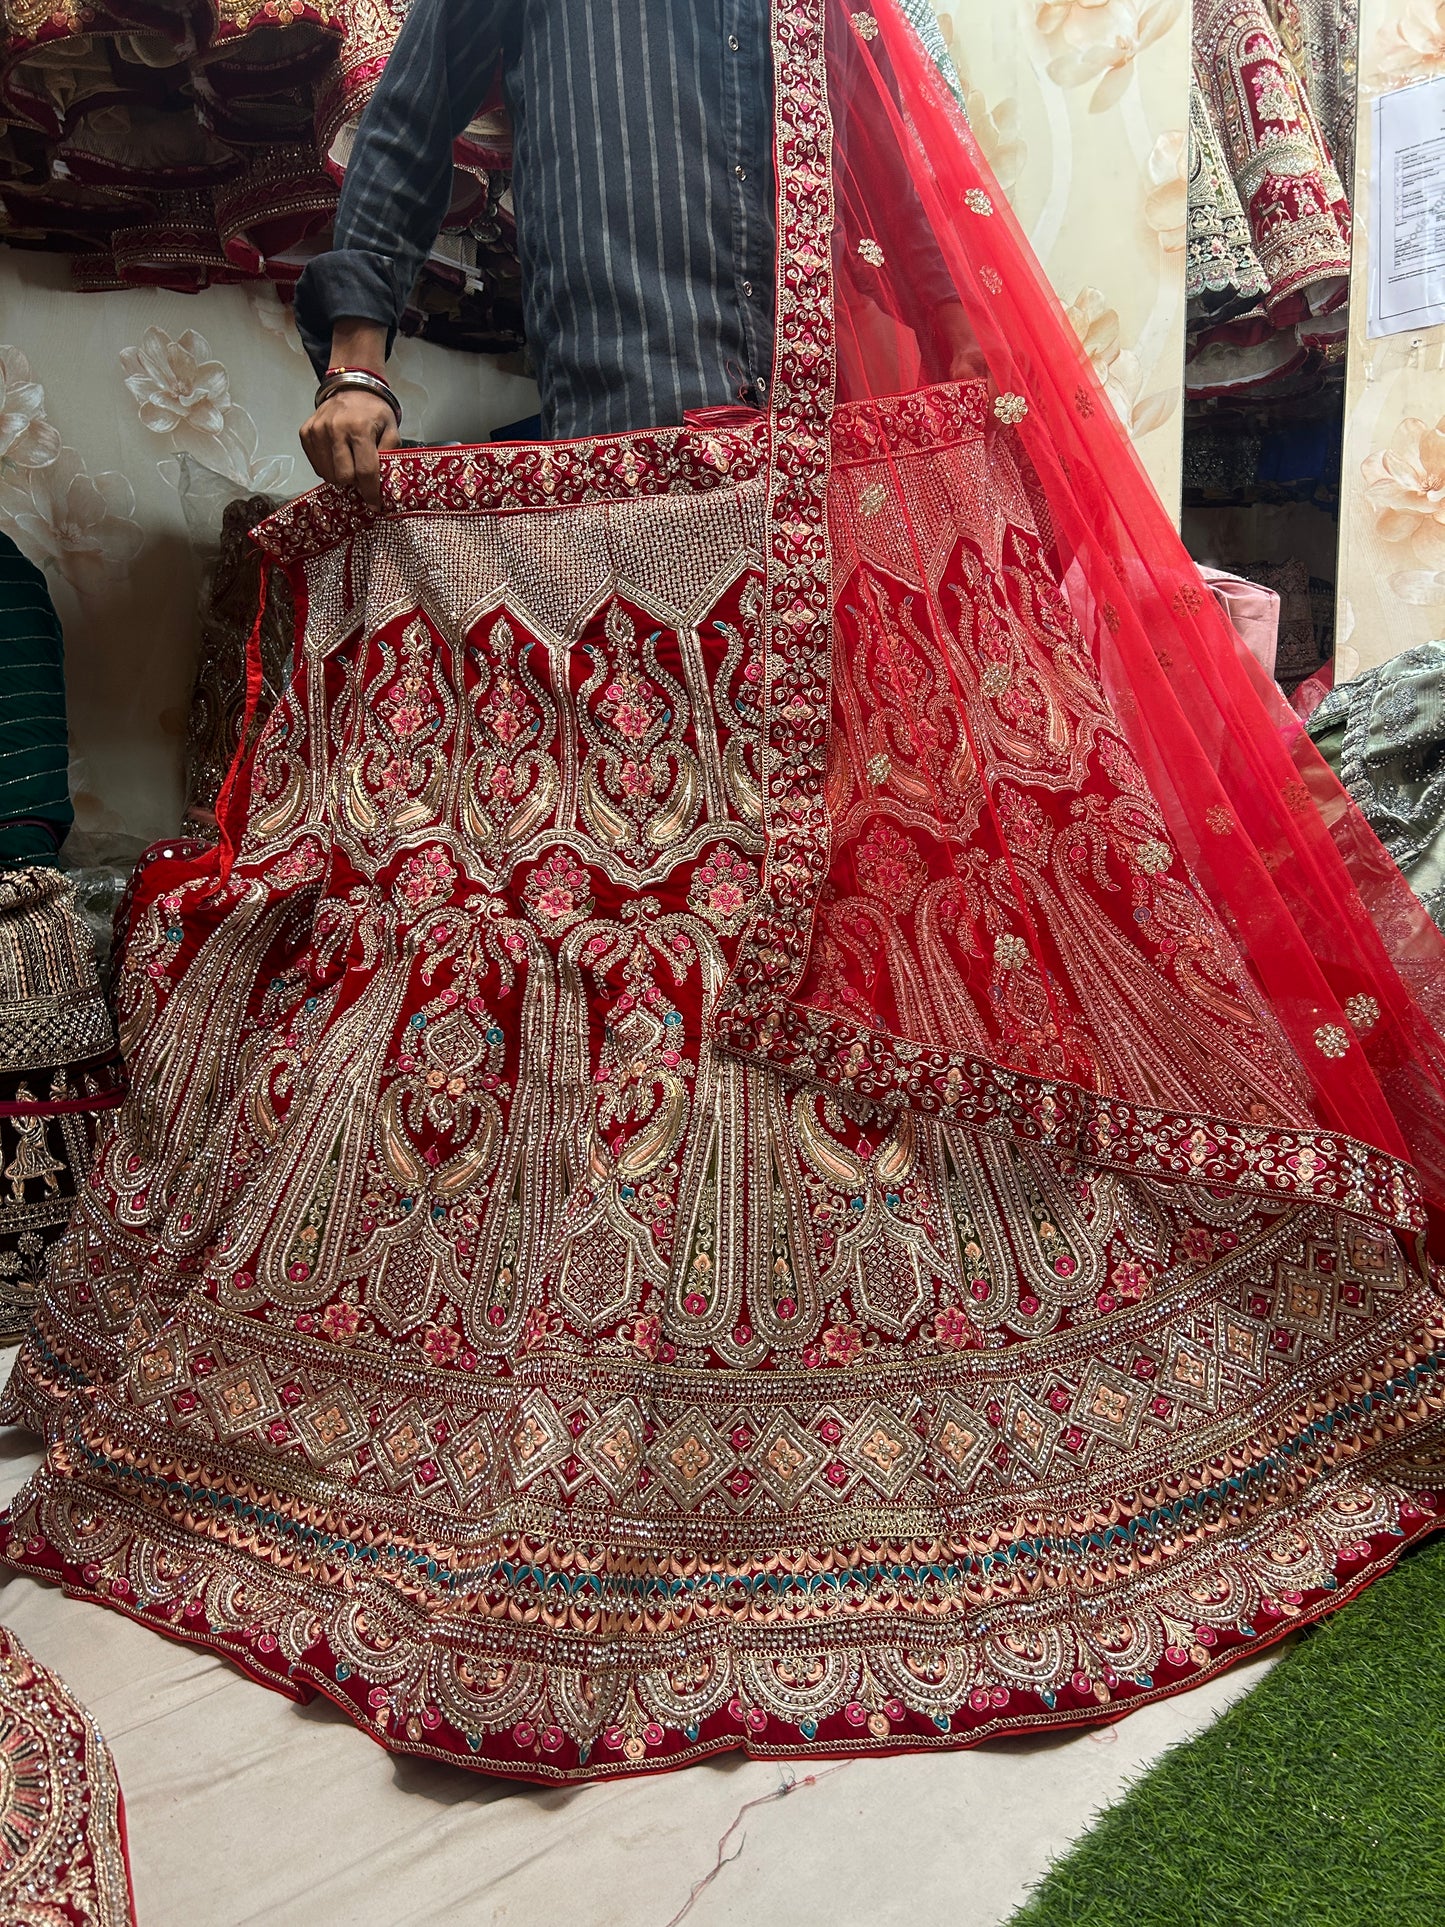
1082,108
127,422
1392,533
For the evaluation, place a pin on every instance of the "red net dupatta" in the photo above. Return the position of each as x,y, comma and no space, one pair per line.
1046,855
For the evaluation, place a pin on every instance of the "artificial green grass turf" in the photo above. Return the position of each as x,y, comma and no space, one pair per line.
1316,1801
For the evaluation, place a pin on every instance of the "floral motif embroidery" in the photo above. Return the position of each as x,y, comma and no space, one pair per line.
1363,1012
724,886
558,892
1332,1040
1153,856
426,878
871,252
889,867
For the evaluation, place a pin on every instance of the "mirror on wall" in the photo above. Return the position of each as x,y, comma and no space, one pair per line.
1273,125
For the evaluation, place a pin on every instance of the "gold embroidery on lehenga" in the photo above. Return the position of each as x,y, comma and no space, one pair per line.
603,1313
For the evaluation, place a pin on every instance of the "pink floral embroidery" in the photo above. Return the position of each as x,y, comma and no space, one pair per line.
340,1322
442,1344
889,867
1130,1281
842,1344
647,1335
954,1329
556,892
426,877
724,888
302,865
626,703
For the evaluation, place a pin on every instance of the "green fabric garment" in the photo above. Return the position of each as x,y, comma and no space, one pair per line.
1384,736
35,808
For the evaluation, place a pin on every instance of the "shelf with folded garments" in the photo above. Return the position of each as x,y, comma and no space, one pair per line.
200,145
1272,118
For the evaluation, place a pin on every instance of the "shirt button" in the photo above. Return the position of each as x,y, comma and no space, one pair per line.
748,288
741,172
734,42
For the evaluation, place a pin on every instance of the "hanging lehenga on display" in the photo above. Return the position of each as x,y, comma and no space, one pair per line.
792,1113
188,143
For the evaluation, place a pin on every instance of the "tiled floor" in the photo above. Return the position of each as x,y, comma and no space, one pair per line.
244,1809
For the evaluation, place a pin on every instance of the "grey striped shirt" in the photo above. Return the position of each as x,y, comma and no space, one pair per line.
643,190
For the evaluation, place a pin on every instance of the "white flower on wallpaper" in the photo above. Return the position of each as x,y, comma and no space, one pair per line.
84,525
272,314
1412,45
996,129
1118,368
1166,206
1405,487
26,438
184,393
1096,42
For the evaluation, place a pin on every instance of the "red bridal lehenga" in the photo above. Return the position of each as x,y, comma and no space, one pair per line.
793,1113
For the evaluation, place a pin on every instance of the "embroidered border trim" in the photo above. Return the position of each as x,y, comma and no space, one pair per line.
508,478
923,1669
61,1808
1320,1166
797,675
505,477
921,422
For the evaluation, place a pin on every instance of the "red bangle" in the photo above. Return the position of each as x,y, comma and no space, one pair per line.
375,373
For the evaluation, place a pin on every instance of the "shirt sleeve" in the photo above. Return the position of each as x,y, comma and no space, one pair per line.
398,183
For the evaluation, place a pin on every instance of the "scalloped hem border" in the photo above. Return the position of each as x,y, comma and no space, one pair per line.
551,1758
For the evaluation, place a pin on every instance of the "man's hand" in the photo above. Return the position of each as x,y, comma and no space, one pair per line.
344,437
343,440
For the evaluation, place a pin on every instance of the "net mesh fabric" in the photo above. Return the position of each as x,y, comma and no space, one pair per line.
1075,833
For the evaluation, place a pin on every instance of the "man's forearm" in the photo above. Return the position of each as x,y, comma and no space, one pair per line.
357,343
398,183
